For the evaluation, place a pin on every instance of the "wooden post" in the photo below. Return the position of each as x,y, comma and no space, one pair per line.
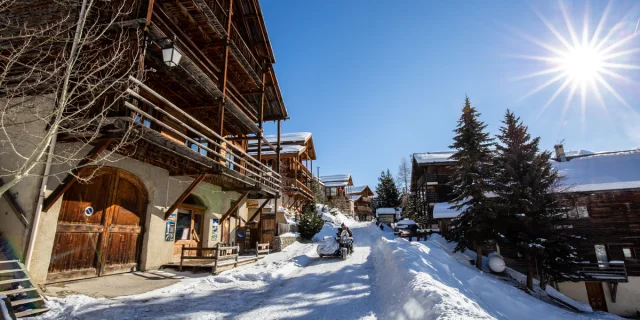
225,67
217,255
184,195
257,249
261,115
235,265
181,257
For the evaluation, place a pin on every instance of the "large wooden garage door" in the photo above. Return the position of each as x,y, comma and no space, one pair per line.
99,227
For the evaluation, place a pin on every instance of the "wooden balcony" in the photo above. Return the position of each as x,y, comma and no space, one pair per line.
433,179
607,272
363,210
181,133
296,186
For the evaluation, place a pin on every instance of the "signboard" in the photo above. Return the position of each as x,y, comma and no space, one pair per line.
214,229
88,211
170,231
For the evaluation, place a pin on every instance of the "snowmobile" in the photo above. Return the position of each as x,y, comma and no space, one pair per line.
336,246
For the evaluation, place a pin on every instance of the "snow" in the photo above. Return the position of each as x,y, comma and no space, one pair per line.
356,189
442,210
293,137
385,278
406,222
574,153
601,171
336,177
284,149
355,198
4,311
388,211
433,157
336,184
289,235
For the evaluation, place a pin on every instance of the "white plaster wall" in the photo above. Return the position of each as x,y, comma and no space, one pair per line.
627,299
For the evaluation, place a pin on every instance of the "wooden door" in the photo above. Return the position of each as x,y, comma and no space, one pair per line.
189,229
99,227
268,226
123,225
596,296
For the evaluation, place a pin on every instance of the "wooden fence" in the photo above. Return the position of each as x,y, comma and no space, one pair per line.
285,228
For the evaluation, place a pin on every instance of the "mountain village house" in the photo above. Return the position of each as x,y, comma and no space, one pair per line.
602,192
360,196
430,173
186,179
296,166
336,188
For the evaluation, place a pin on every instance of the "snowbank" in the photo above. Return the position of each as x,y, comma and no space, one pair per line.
191,298
424,280
289,235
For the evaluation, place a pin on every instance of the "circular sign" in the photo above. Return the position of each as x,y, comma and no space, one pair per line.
88,211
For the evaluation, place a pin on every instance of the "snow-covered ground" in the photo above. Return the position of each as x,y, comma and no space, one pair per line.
385,278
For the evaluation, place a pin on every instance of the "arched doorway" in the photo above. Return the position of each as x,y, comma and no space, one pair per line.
100,226
189,222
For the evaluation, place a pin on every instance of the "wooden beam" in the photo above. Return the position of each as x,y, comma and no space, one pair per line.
261,115
71,179
15,206
235,207
184,195
242,138
258,211
278,150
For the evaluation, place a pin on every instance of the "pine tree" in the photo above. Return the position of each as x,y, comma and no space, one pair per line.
470,182
388,195
410,208
318,192
524,184
310,222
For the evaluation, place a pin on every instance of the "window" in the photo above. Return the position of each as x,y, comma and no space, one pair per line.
145,122
578,212
196,147
230,157
628,253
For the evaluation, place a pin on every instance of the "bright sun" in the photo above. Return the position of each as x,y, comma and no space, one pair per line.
582,64
586,63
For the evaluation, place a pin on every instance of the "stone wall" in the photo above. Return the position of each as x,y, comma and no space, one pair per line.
283,242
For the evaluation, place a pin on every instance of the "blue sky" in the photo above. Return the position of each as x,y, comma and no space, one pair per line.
375,81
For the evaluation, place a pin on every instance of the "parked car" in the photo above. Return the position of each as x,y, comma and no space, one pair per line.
405,227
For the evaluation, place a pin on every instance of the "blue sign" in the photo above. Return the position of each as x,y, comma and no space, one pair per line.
88,211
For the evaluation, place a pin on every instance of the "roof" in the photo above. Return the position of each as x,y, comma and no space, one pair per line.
336,184
442,210
601,171
355,197
336,177
434,157
287,140
363,190
406,222
283,150
388,211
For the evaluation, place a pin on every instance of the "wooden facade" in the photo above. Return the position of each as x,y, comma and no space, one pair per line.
429,178
362,204
336,188
297,153
192,119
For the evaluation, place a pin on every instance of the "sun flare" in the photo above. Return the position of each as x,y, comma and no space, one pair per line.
591,63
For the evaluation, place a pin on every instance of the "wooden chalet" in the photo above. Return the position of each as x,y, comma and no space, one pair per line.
360,196
296,166
187,176
430,173
336,188
602,194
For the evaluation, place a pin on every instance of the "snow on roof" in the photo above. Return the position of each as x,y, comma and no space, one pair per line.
388,210
601,171
292,137
574,153
355,197
336,177
336,184
357,189
434,157
406,222
285,149
441,210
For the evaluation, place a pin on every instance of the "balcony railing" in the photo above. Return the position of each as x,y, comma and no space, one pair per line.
239,47
432,178
217,148
293,183
609,271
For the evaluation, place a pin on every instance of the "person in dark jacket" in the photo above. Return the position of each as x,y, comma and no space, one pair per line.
343,227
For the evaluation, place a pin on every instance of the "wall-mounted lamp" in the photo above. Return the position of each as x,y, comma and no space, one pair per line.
171,56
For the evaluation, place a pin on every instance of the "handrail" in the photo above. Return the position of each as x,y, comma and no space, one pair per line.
182,112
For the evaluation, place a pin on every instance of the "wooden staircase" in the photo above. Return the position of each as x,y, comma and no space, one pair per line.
15,282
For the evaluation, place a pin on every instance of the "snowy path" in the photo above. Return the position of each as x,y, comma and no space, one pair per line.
328,288
385,278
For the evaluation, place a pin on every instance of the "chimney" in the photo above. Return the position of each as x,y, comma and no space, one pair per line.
560,156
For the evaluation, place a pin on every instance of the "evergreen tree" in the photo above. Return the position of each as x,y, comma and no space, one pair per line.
318,192
310,221
470,182
388,195
524,184
410,208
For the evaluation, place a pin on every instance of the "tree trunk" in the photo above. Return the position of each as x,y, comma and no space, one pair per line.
529,272
479,257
